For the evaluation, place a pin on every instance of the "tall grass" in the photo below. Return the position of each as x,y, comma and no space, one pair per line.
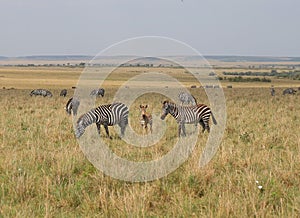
43,172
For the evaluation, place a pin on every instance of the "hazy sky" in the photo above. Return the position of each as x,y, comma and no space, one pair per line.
213,27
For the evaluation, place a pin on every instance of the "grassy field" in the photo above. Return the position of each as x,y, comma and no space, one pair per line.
43,171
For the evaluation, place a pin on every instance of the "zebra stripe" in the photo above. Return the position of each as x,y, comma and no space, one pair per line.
42,92
186,98
188,114
72,105
106,115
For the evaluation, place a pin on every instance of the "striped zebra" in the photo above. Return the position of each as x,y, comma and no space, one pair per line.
97,92
188,114
72,105
186,98
272,91
42,92
106,115
146,118
289,91
63,93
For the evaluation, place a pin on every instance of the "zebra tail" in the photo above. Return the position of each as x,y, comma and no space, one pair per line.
213,118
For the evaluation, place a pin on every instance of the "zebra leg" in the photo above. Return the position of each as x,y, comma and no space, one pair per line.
179,130
122,125
206,126
183,129
202,124
98,127
107,132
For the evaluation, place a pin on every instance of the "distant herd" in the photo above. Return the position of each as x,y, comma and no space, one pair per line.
189,112
182,97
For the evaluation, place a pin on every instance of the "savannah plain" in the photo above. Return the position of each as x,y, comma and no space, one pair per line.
44,173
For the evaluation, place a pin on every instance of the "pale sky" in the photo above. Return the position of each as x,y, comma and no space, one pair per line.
213,27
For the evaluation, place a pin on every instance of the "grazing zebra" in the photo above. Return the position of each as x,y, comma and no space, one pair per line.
146,118
186,98
97,92
289,91
188,114
106,115
63,93
42,92
272,91
72,105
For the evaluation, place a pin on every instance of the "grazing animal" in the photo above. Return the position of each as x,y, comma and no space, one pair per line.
146,118
289,91
188,114
272,91
97,92
106,115
63,93
72,105
186,98
42,92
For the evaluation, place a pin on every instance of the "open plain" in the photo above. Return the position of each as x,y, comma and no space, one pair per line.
43,172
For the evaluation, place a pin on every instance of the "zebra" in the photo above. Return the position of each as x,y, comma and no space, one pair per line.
272,91
97,92
188,114
146,118
106,115
72,105
42,92
289,91
63,93
186,98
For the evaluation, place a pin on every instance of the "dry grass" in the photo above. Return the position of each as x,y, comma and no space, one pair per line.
43,172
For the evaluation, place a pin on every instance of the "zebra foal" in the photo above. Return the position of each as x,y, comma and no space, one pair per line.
146,118
188,114
106,115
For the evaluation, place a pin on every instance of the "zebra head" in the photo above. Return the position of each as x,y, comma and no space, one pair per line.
166,109
143,109
48,93
101,92
80,127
